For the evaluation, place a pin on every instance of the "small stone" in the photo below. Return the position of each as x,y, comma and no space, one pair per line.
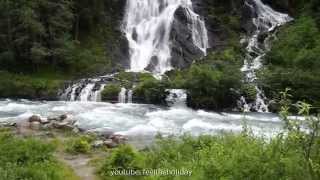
63,117
52,118
34,118
45,121
118,139
62,125
110,143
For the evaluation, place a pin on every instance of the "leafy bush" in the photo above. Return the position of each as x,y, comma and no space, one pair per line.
21,86
81,144
151,90
111,92
211,88
124,157
29,159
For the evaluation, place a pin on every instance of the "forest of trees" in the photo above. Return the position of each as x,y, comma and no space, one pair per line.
54,35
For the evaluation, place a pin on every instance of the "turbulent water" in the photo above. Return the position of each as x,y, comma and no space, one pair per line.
265,22
144,121
147,25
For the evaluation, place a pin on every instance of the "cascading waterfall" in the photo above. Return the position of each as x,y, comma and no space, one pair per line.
266,21
147,25
122,95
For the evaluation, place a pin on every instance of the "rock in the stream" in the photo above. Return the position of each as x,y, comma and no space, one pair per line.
58,118
63,125
118,139
63,117
45,121
110,143
34,118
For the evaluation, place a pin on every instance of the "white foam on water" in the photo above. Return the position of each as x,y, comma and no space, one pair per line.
143,120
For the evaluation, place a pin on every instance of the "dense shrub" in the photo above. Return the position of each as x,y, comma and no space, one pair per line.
294,62
124,157
213,84
23,86
111,92
79,144
150,90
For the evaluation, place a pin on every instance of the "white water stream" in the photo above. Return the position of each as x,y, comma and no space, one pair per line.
266,22
144,121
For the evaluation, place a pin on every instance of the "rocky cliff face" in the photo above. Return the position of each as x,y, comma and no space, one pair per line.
225,20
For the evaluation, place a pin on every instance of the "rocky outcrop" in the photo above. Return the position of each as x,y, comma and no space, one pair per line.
183,50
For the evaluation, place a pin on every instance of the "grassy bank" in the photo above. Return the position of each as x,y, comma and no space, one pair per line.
29,158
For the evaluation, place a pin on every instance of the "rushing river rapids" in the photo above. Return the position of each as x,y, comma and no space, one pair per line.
145,121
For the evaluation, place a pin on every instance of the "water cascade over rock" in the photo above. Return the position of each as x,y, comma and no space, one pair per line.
125,96
148,24
86,89
264,21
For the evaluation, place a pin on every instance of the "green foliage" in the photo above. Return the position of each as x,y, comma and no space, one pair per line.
124,157
63,36
304,133
79,144
29,159
225,14
217,157
212,85
294,62
20,86
111,92
151,90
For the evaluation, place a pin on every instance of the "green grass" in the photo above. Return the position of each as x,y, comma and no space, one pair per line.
30,159
226,156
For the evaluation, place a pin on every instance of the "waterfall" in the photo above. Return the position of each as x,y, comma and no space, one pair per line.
147,25
122,95
97,94
86,89
130,94
265,22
